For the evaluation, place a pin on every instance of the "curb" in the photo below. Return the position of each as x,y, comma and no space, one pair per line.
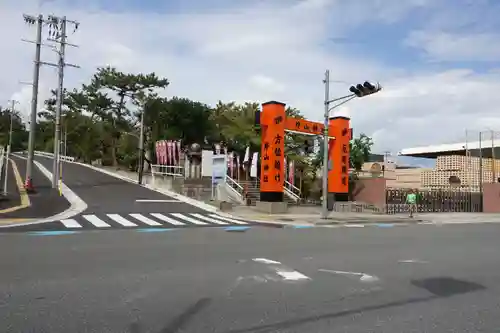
361,221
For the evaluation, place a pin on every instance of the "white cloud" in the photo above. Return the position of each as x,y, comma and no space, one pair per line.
444,46
260,51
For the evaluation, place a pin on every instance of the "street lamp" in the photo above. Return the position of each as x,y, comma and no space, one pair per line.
359,90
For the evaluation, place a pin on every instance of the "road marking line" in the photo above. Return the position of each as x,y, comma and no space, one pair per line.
155,230
187,218
292,275
52,233
25,199
362,276
206,218
286,273
227,219
144,219
156,200
120,219
413,261
77,204
96,221
355,225
266,261
71,223
166,219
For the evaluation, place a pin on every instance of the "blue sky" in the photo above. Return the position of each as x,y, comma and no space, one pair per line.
438,60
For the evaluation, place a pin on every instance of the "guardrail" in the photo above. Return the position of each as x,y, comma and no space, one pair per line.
167,170
51,155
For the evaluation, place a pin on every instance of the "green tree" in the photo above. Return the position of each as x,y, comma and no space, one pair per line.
19,133
360,149
127,87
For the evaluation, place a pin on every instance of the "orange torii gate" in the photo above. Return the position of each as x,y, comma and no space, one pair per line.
274,123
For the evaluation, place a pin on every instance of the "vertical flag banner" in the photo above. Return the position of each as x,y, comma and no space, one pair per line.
164,152
253,168
157,152
291,173
179,153
169,152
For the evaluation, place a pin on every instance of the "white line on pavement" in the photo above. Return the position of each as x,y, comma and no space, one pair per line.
362,276
156,200
284,272
77,205
413,261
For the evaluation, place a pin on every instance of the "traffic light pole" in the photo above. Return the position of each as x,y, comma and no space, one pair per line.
324,203
359,90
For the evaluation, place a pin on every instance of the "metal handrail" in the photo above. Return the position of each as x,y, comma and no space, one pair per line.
167,170
292,188
232,184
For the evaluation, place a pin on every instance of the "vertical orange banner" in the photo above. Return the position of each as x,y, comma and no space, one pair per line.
338,175
272,168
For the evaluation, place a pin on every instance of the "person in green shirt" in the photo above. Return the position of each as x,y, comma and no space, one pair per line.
411,201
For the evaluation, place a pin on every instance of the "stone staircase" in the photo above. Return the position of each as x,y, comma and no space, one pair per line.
253,187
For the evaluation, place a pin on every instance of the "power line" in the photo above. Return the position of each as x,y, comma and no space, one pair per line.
57,33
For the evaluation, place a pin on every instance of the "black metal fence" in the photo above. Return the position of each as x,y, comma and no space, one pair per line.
435,201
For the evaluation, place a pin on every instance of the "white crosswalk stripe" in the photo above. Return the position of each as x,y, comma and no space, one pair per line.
71,223
138,220
208,219
120,219
166,219
96,221
187,218
144,219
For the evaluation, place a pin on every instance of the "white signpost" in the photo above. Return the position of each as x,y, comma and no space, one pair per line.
219,171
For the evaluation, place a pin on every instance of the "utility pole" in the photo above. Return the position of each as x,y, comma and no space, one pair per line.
141,149
6,170
324,203
60,93
57,34
34,98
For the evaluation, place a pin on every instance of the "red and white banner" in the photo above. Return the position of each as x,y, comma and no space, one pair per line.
163,152
168,152
291,172
178,144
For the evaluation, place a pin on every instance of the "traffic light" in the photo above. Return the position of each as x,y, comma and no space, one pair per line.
309,146
257,121
365,89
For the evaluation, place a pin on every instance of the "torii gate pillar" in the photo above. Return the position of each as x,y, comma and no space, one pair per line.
272,166
338,152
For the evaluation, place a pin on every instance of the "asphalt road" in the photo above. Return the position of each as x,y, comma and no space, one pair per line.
107,194
410,279
45,202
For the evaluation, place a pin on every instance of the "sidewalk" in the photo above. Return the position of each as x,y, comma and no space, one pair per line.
44,203
312,216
